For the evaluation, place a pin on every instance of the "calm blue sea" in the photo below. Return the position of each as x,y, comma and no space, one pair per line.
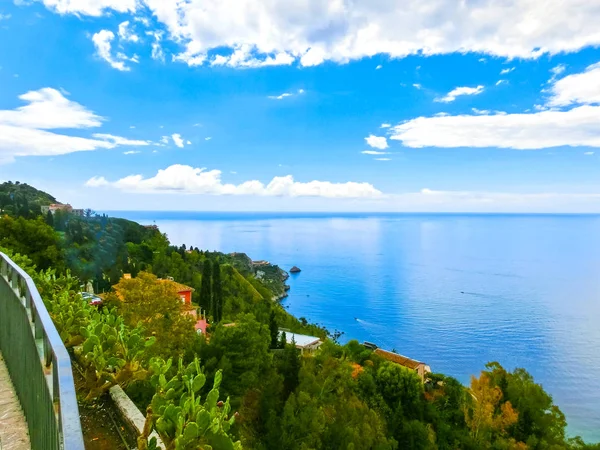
455,291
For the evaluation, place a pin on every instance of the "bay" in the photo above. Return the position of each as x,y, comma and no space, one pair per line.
453,290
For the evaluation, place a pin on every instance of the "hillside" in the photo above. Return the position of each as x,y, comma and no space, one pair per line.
21,199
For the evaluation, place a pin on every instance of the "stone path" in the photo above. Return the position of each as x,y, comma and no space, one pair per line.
13,428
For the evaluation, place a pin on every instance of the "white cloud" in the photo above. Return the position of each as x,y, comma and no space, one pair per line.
48,108
90,7
102,41
97,182
118,140
23,130
378,67
164,139
126,34
374,152
499,82
579,88
207,138
379,142
386,125
5,16
246,56
417,85
143,20
132,127
314,31
177,140
132,152
157,51
588,153
286,94
480,111
281,96
189,142
186,179
383,159
456,92
556,71
542,129
505,71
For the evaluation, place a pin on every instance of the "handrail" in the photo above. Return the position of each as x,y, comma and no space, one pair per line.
44,384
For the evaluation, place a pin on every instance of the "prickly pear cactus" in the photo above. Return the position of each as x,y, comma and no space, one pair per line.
182,418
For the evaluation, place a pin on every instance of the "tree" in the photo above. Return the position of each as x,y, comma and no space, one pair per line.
156,306
242,352
217,292
282,340
290,368
205,288
273,329
33,238
488,418
50,218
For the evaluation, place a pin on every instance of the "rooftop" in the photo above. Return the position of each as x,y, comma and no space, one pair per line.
301,340
398,359
180,287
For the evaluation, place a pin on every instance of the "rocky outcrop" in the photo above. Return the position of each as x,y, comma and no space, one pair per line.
272,276
295,269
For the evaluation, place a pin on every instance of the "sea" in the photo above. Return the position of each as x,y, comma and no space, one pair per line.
453,290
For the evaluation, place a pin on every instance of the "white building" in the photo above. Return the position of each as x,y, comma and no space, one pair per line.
302,341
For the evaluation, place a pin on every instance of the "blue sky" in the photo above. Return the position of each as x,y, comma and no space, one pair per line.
250,105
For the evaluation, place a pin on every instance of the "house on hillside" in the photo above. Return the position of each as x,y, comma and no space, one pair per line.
305,343
420,367
185,292
60,207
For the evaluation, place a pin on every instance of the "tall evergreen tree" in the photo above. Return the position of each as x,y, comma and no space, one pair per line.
205,288
50,219
290,368
217,288
274,330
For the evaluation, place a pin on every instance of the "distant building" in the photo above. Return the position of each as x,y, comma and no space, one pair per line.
60,207
420,367
305,343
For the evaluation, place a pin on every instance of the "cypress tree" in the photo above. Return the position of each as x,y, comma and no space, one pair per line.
217,288
282,340
273,329
205,288
50,219
291,368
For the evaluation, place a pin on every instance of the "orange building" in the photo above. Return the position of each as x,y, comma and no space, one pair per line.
185,292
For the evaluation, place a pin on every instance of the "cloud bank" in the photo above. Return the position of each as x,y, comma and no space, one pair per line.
233,32
180,178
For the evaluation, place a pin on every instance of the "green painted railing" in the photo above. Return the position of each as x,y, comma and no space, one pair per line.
38,363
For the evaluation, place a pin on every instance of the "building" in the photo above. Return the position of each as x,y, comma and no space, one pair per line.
420,367
185,292
60,207
305,343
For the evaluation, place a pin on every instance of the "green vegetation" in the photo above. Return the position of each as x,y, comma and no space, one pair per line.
20,199
342,397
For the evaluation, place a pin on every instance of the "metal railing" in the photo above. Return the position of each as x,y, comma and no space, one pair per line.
38,363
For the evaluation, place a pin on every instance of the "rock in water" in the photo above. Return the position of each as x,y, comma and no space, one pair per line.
295,269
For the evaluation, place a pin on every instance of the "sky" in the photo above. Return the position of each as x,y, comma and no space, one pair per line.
303,105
